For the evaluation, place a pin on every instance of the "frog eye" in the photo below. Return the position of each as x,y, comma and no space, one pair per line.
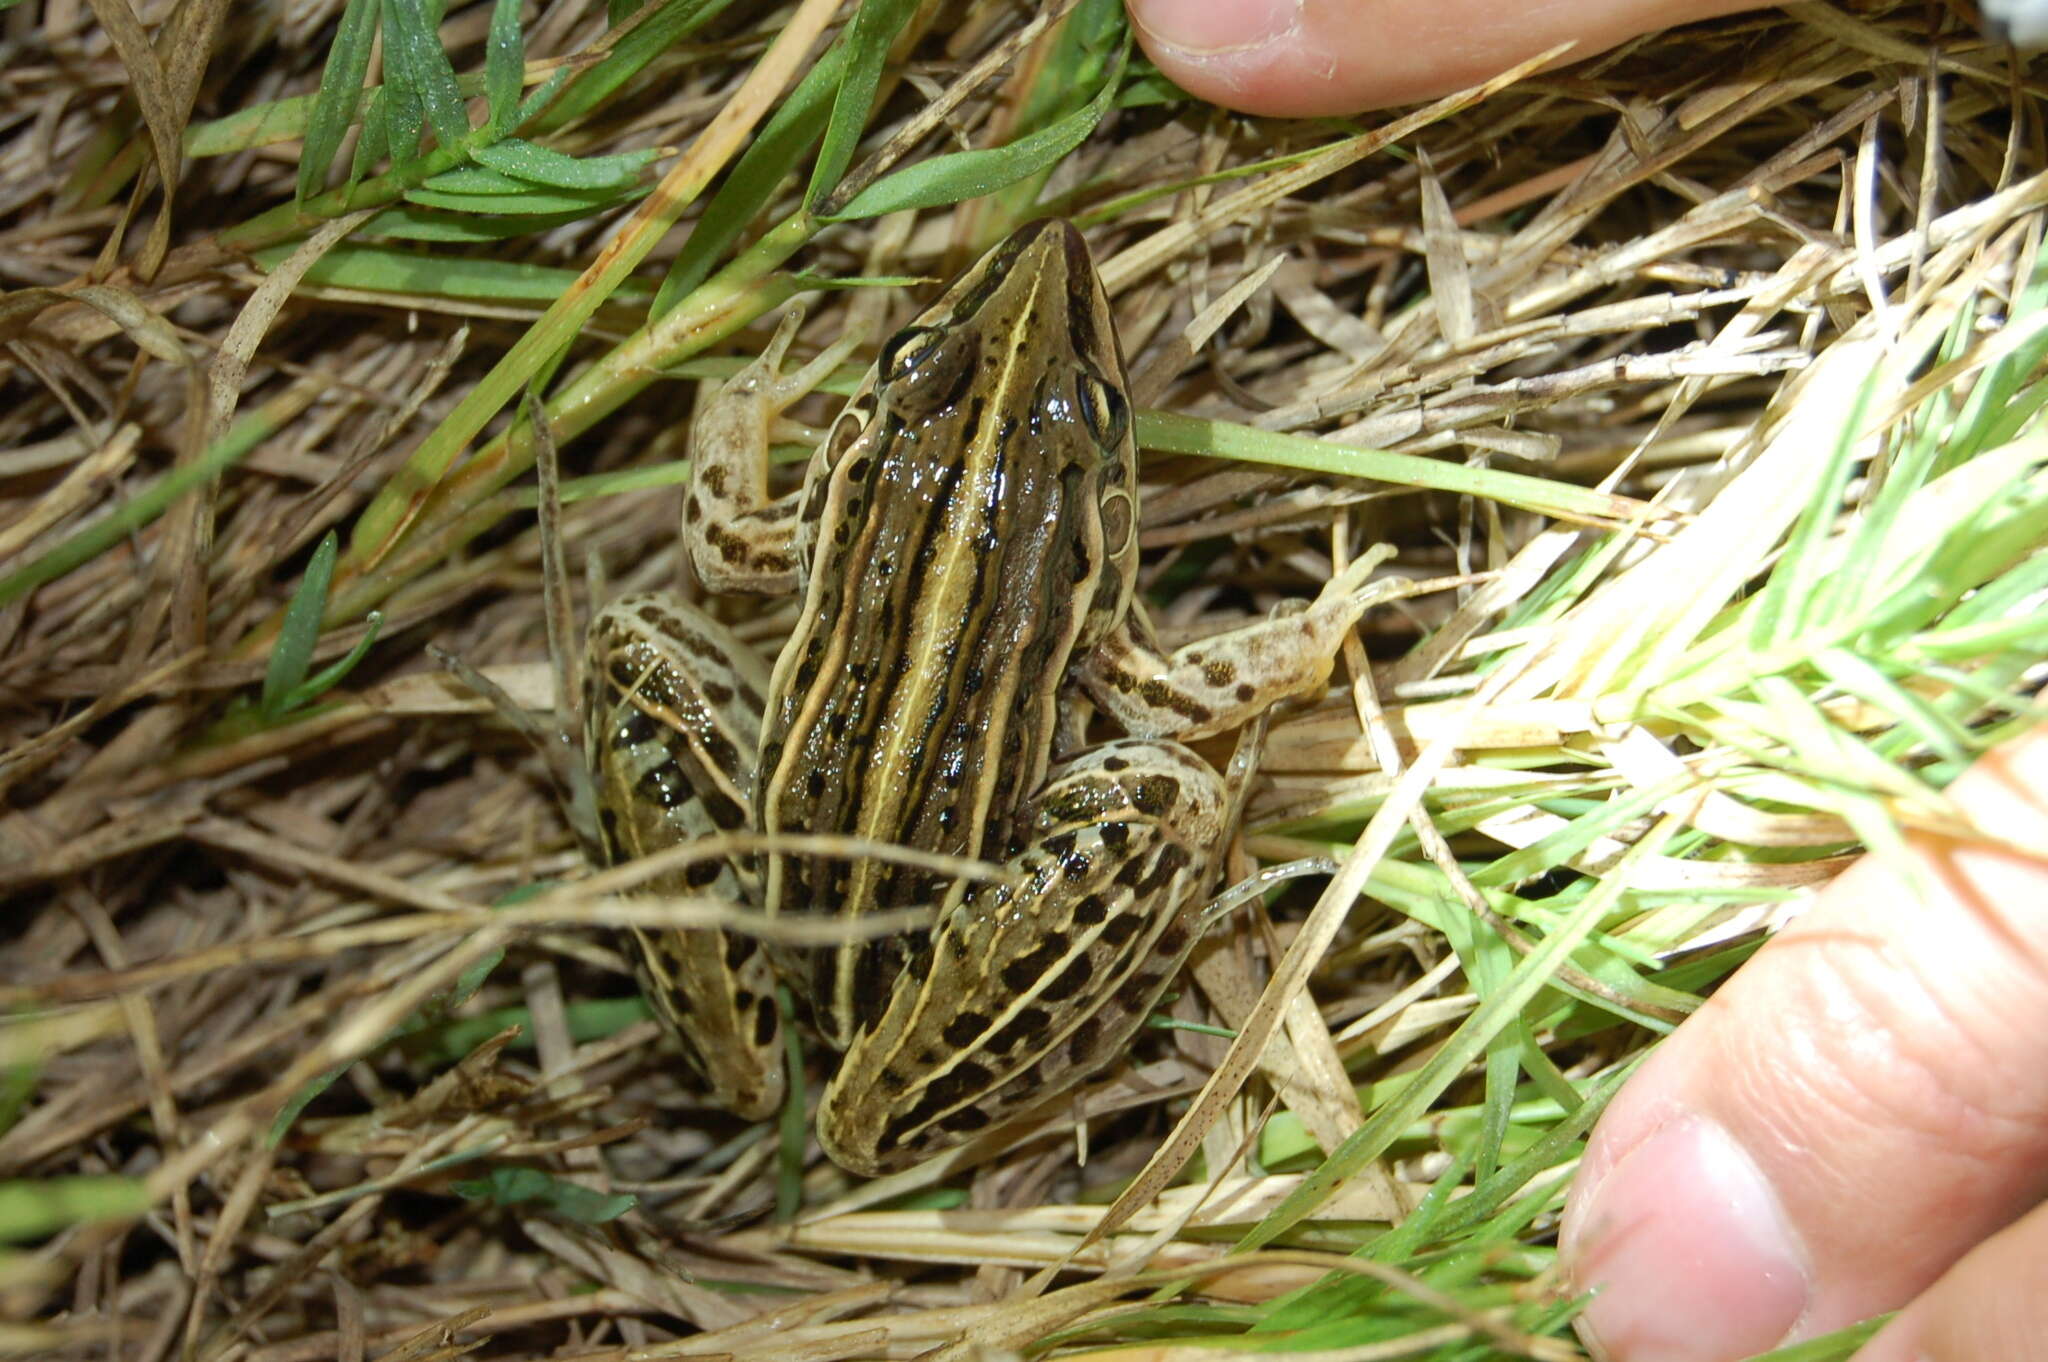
905,350
1103,408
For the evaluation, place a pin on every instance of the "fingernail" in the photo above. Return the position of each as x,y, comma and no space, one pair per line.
1688,1250
1206,27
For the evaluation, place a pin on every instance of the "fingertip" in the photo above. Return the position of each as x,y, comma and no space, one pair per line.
1307,58
1242,54
1216,28
1683,1243
1288,58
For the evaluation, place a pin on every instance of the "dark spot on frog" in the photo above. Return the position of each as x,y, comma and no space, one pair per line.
964,1029
662,785
1024,971
1069,981
964,1121
1154,796
724,812
1170,862
719,752
730,546
1027,1028
1081,1042
636,728
1159,695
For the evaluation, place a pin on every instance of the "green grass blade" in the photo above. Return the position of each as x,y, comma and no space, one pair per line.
1085,49
1864,680
504,65
656,28
1998,405
1800,587
1557,1144
532,162
386,269
1834,1347
293,655
789,134
131,515
512,1185
531,202
279,120
475,179
341,93
1177,434
405,110
962,175
411,27
332,675
866,41
792,1124
420,223
35,1208
539,98
375,143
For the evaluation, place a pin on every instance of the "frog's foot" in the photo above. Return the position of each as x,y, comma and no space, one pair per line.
782,391
1220,682
741,537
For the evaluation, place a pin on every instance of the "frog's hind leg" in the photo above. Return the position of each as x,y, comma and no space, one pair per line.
673,714
1222,681
1037,981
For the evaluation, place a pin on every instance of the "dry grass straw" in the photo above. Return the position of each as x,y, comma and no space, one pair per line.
1652,368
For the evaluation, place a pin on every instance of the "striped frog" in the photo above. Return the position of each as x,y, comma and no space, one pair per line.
964,546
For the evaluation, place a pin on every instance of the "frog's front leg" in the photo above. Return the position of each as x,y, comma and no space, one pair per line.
1035,982
1221,682
740,537
673,716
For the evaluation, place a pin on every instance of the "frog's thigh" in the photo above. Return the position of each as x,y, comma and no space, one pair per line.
673,713
1030,987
